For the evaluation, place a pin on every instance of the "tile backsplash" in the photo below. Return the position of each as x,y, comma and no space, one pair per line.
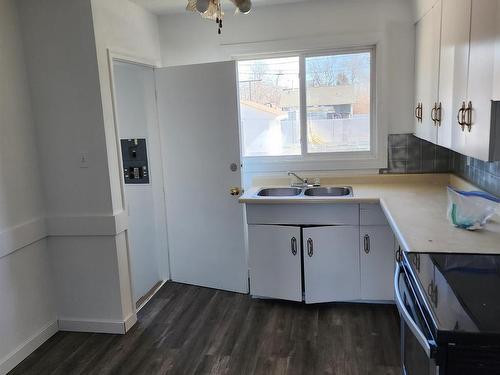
482,174
409,154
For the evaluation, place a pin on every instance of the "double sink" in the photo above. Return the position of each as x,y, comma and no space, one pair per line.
330,191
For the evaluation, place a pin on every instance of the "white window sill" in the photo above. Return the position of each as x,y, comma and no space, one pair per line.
313,163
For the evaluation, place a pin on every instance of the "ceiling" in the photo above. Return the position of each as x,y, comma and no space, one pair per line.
162,7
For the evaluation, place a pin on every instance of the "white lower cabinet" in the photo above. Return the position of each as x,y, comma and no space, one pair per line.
377,257
315,263
331,264
275,262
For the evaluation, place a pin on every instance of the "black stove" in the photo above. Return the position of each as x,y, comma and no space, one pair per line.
461,291
450,309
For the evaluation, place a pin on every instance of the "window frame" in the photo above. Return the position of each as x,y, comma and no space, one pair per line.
312,160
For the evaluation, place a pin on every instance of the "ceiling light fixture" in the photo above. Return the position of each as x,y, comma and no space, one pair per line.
212,9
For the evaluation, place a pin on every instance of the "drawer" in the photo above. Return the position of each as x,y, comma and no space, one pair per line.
303,214
372,214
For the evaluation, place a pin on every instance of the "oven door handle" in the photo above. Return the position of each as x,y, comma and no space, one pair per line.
419,335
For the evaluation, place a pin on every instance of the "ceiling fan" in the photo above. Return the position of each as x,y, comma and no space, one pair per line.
212,9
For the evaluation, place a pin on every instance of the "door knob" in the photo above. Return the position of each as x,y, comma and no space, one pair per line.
235,191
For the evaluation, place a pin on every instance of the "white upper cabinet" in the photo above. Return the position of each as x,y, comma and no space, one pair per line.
483,41
454,63
428,36
469,75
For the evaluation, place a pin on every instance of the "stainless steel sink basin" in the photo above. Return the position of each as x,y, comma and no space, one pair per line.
279,192
329,191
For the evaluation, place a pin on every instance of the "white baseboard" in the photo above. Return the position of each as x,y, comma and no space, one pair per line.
130,321
145,302
96,326
25,349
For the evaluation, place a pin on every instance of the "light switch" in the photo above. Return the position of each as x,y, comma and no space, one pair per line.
84,159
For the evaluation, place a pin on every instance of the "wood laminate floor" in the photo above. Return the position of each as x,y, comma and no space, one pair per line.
192,330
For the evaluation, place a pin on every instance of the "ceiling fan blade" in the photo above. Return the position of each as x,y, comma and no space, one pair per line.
191,6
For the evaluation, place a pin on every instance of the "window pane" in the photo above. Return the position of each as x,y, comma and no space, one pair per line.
338,102
269,106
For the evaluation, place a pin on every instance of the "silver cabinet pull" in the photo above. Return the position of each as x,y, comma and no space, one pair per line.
468,116
461,116
366,243
433,113
310,247
432,291
439,110
436,114
399,255
294,246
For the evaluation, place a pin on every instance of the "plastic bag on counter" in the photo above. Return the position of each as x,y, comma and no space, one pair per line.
471,209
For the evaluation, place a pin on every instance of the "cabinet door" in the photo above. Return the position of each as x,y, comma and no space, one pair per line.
428,34
481,76
274,260
377,250
454,61
331,264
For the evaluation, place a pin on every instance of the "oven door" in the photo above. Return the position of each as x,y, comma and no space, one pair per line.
417,344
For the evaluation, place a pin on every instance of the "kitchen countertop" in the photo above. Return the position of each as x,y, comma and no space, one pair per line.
415,207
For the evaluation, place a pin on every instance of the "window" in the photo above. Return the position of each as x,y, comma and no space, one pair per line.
269,106
328,111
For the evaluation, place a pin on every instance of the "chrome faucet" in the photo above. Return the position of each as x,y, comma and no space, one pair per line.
303,181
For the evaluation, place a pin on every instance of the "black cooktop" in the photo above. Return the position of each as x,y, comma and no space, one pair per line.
461,291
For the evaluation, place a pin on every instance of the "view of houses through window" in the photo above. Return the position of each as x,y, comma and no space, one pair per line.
337,104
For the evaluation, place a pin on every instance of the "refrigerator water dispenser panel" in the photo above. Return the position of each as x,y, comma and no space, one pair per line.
135,161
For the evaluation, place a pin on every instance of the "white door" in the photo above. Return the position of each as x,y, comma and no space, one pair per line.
198,113
377,254
274,262
484,21
453,75
134,88
331,264
428,34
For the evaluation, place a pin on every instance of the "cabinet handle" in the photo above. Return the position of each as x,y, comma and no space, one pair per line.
460,116
398,255
294,246
416,262
468,116
418,112
366,243
310,247
432,291
436,114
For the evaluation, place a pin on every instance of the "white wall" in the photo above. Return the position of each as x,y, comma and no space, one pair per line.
187,39
27,307
86,247
127,29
